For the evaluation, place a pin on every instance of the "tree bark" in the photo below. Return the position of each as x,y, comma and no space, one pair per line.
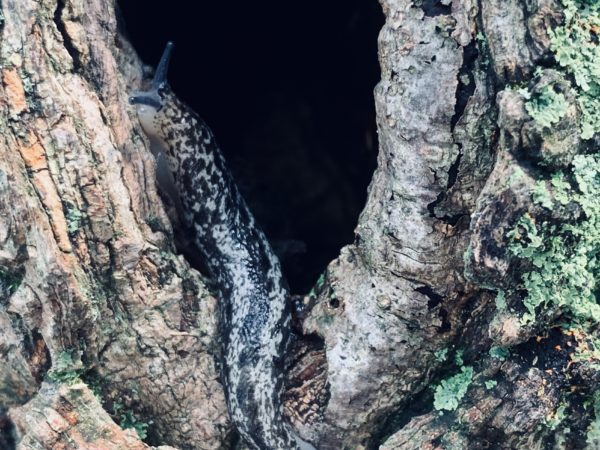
93,296
92,287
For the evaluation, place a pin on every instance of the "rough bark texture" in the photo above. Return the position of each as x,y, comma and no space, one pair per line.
91,287
454,176
71,414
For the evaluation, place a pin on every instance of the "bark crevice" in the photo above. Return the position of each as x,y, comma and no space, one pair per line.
59,13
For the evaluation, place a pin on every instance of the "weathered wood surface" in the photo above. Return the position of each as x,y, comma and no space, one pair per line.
91,286
86,243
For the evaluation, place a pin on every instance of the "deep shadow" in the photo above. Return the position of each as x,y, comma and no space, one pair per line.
7,432
288,90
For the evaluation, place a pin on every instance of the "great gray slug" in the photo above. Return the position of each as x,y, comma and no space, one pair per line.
255,313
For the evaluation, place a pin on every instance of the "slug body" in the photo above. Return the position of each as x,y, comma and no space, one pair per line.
255,315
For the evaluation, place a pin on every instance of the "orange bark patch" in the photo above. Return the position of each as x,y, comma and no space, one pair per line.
14,91
49,195
34,154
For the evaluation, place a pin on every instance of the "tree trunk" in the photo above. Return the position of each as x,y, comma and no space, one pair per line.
463,316
92,288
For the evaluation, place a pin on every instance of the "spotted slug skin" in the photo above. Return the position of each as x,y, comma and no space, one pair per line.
255,317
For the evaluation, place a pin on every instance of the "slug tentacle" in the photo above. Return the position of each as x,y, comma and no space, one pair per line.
152,98
160,76
255,318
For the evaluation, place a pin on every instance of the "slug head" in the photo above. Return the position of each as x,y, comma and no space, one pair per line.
149,103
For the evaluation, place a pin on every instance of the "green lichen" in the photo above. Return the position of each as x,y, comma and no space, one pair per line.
490,384
441,355
458,358
74,218
127,419
547,107
515,176
577,51
553,420
563,255
450,391
588,348
501,301
318,286
500,353
120,413
484,50
66,367
10,280
320,281
562,189
593,431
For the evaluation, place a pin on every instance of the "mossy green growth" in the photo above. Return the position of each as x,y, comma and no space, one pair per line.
74,218
458,357
564,256
66,367
547,107
500,353
588,349
577,50
318,286
441,355
490,384
552,421
484,50
450,391
10,280
501,301
127,419
593,431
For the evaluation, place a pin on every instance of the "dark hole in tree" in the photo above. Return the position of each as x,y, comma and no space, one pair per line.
7,432
288,90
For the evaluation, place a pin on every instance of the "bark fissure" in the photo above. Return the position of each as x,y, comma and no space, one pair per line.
61,6
453,172
433,8
435,299
7,432
464,91
466,81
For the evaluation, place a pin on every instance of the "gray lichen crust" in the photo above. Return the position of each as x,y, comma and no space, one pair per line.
255,315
